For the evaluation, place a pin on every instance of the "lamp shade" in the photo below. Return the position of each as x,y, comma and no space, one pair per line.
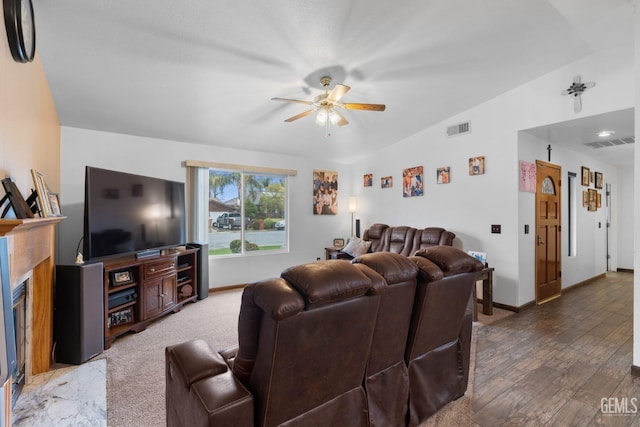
352,204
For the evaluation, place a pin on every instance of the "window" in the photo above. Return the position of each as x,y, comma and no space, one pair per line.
247,212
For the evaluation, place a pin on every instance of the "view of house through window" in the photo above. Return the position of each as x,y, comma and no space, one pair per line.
246,212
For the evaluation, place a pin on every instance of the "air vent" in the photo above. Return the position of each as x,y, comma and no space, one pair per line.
458,129
611,142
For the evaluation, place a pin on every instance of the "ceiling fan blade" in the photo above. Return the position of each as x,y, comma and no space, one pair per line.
293,100
342,120
338,92
369,107
299,116
589,85
565,92
577,104
576,79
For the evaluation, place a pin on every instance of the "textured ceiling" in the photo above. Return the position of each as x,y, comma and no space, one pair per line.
204,71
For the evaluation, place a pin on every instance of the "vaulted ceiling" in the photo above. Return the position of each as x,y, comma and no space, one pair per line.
204,71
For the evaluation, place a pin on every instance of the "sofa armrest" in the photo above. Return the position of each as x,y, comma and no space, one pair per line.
201,390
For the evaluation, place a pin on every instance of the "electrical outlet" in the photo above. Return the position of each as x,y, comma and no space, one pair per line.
496,229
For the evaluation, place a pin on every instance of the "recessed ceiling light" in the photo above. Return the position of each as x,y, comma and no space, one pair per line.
606,133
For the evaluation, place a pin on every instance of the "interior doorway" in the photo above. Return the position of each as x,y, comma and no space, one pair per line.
548,238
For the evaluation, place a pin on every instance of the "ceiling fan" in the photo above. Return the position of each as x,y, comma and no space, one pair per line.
576,89
327,106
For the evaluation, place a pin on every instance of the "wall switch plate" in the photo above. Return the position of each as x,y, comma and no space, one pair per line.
526,229
496,229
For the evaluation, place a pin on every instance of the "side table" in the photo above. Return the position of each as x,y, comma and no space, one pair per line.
332,252
486,275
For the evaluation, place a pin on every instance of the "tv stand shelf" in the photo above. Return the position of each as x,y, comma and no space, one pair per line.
138,290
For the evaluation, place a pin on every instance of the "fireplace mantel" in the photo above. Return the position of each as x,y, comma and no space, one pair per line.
31,244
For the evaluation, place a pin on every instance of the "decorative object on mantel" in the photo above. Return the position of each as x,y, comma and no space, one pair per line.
14,200
327,105
325,192
412,182
21,29
576,89
48,202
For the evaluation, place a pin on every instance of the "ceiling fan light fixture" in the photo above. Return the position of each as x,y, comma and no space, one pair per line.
334,118
321,117
606,133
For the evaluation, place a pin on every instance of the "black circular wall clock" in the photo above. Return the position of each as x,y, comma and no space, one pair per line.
21,29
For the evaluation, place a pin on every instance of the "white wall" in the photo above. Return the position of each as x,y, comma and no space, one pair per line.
163,159
624,214
470,204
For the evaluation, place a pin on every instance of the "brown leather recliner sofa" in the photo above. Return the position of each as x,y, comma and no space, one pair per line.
382,341
402,239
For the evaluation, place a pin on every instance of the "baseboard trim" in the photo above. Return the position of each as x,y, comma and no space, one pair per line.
513,308
225,288
624,270
584,283
635,371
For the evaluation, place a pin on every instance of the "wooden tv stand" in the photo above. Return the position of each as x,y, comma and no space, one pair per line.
142,290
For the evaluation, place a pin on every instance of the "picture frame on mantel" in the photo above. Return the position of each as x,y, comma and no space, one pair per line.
44,201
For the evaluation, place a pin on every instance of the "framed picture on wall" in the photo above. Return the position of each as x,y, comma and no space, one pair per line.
386,182
585,176
476,165
412,182
443,175
368,180
598,180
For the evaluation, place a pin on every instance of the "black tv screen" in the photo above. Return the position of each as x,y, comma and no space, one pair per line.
126,213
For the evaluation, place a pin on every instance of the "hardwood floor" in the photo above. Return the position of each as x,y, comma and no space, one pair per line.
554,364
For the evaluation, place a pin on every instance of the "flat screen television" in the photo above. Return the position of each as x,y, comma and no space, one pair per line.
131,214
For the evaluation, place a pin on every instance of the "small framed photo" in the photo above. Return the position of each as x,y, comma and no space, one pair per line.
121,277
476,165
338,243
54,201
368,180
386,182
443,175
598,180
585,176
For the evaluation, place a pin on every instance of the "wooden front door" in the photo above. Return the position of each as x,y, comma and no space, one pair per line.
548,254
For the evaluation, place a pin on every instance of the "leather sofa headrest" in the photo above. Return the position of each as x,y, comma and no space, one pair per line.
428,271
329,281
376,231
393,267
450,260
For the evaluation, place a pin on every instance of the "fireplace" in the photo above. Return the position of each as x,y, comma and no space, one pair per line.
31,249
20,329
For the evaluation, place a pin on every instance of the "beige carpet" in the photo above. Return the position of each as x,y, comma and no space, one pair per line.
135,363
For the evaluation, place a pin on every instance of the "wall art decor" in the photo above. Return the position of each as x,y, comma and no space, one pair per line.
44,203
598,180
598,200
476,165
386,182
443,175
325,192
527,177
412,182
585,176
585,199
368,180
592,200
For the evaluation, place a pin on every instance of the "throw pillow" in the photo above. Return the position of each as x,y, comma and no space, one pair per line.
357,247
